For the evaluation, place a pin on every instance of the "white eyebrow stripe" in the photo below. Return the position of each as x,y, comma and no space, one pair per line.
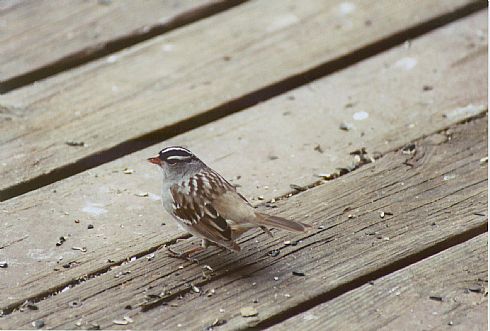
178,157
168,149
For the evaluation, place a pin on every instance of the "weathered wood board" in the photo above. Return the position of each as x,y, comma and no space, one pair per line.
157,85
435,195
44,35
447,290
283,154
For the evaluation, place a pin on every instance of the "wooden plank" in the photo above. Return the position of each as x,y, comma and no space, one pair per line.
159,86
45,35
431,294
440,196
126,225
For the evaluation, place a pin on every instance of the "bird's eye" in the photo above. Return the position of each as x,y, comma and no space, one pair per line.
177,159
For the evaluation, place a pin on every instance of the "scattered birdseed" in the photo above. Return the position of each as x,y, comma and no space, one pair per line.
210,292
61,241
297,187
248,311
120,322
78,323
318,148
94,326
260,197
122,273
77,221
342,171
128,319
360,151
90,226
298,273
427,88
346,126
28,305
287,295
150,296
74,304
276,278
484,160
217,322
436,298
449,177
408,149
4,264
287,242
128,171
128,307
150,257
475,288
350,216
142,194
207,267
195,289
326,176
38,324
82,249
75,143
274,252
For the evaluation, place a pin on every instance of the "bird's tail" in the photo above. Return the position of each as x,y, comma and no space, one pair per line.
280,223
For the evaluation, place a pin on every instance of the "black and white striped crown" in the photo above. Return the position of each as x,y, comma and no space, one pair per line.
175,153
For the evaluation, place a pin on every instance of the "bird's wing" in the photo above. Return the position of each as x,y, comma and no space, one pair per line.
193,205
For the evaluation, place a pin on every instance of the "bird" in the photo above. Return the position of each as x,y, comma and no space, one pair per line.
206,205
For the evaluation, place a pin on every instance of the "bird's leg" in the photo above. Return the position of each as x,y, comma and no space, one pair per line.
206,243
186,255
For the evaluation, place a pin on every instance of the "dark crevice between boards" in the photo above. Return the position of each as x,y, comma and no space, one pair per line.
75,281
95,52
384,271
236,105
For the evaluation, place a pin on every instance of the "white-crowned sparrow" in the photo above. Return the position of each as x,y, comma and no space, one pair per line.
206,205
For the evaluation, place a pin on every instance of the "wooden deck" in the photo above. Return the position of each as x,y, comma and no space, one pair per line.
277,95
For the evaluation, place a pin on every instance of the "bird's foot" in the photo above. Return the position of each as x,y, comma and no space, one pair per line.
185,255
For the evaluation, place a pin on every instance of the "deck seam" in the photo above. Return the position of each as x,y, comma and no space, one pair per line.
7,310
236,105
82,56
379,273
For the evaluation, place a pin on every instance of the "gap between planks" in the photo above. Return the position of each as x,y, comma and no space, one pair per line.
92,53
152,241
439,246
384,271
236,105
8,309
431,294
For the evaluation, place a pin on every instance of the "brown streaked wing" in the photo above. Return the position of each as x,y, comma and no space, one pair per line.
193,205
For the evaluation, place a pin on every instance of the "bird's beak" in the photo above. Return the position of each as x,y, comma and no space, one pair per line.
155,160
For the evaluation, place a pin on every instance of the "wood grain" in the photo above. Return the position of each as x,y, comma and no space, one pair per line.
440,196
163,83
45,34
280,134
432,294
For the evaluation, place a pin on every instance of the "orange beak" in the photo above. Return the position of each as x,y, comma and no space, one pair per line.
155,160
